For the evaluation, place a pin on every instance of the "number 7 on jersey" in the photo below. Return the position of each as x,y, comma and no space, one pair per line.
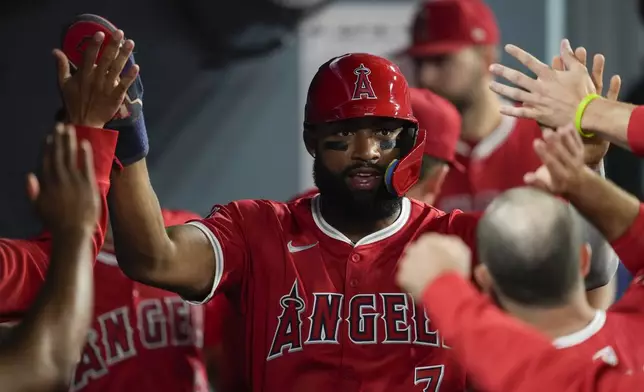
429,377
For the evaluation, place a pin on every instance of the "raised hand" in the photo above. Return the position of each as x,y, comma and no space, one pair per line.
595,148
96,91
552,98
65,193
429,257
562,154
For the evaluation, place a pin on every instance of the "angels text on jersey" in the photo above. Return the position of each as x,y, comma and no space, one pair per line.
403,322
161,322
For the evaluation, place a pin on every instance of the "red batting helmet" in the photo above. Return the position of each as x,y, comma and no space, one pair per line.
359,85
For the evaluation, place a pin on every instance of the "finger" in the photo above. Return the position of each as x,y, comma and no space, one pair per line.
519,111
109,54
47,168
576,136
89,57
581,55
117,66
550,159
59,168
70,149
126,81
514,93
534,180
88,162
33,187
516,77
614,88
568,56
574,149
525,58
62,65
557,63
598,72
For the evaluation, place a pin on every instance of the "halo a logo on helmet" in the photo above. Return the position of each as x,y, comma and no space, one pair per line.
363,88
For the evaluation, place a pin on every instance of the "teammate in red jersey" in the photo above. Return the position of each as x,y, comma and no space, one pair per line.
314,279
138,326
443,124
540,286
23,263
41,352
454,42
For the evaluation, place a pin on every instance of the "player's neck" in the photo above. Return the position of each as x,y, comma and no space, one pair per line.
481,118
354,229
558,321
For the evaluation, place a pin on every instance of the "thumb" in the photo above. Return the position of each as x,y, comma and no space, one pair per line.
62,64
539,179
33,187
567,55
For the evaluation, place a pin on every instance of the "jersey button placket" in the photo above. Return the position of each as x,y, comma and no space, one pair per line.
355,259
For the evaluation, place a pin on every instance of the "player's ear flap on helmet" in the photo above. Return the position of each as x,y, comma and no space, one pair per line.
310,141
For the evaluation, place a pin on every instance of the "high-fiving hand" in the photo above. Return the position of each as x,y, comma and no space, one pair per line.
552,98
429,257
65,193
562,154
96,91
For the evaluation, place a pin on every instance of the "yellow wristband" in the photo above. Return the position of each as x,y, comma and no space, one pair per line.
580,113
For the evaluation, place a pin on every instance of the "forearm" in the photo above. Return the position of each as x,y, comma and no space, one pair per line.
44,348
140,239
609,119
610,209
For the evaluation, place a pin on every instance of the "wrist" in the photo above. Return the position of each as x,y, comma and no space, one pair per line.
592,114
586,176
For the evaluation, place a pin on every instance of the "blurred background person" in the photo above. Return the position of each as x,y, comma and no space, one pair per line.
40,353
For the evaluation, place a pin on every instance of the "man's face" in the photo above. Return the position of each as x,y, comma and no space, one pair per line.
351,158
455,76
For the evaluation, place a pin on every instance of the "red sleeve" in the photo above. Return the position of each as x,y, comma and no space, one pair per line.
224,228
103,143
23,263
630,246
635,131
307,193
524,360
630,250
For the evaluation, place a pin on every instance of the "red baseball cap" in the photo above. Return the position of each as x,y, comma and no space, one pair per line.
445,26
442,122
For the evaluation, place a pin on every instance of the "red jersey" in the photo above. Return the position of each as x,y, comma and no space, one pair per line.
24,263
142,338
321,313
492,166
524,360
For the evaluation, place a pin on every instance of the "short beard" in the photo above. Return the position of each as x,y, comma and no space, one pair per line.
363,206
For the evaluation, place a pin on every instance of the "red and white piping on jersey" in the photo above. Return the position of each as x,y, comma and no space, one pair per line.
583,334
219,260
107,258
379,235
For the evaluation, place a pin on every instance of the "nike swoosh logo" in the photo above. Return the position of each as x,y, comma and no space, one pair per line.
294,249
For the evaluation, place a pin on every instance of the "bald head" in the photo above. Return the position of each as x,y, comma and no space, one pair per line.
531,244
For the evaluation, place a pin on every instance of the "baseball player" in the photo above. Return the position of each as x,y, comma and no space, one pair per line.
91,99
136,326
40,353
442,122
453,44
314,279
538,279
